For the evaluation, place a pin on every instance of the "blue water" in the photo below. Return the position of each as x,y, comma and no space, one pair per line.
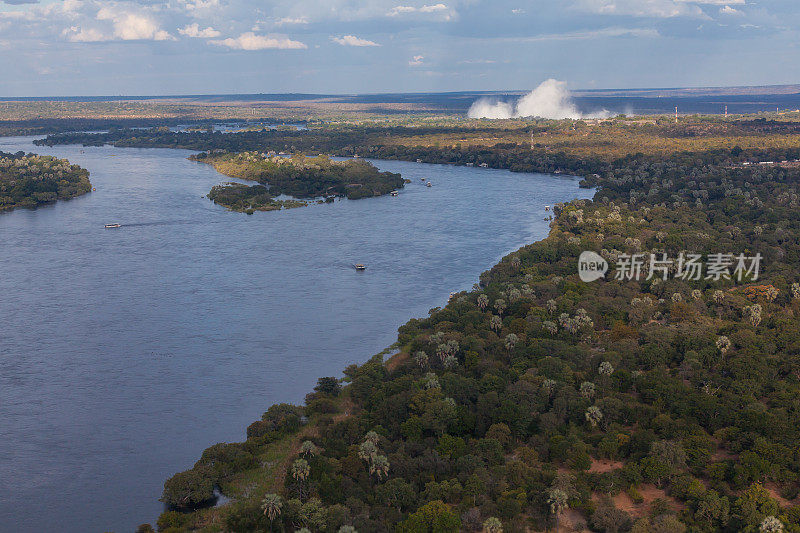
124,353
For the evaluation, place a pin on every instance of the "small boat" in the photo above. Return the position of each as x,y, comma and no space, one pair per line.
359,266
422,179
547,208
429,184
394,193
109,226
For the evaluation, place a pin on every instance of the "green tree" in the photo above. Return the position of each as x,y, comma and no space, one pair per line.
433,517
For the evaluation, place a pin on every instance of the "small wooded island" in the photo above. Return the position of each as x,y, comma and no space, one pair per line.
298,176
30,180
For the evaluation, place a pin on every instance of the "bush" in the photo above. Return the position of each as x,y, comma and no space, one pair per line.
188,490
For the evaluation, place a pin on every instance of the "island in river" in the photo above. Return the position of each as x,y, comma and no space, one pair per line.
298,176
29,180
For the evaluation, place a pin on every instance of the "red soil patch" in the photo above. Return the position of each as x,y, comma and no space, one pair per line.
396,360
601,466
650,493
773,490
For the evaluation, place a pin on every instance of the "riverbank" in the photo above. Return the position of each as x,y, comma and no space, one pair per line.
515,394
195,361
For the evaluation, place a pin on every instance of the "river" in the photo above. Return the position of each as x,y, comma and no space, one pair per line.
126,352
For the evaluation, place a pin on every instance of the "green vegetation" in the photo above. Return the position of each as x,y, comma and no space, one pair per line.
536,400
32,180
298,176
248,198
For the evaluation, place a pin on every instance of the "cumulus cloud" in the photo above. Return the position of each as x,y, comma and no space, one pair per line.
119,25
352,40
251,41
438,9
550,100
416,61
193,30
128,26
728,10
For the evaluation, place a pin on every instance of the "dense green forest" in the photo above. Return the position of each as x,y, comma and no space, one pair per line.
537,401
29,180
298,176
248,198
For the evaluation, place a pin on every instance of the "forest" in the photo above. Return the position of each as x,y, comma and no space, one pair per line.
29,180
536,401
297,176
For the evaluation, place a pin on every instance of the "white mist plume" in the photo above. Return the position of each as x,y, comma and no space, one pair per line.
551,100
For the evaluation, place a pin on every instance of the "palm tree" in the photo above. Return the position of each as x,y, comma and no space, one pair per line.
483,301
500,305
300,472
594,415
372,437
308,448
511,341
492,525
272,505
771,525
558,501
379,466
495,323
367,450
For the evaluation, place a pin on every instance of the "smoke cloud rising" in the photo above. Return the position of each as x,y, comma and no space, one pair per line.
550,100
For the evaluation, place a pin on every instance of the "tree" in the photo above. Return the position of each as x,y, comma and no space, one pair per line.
483,301
771,525
511,341
328,385
300,472
594,415
187,490
308,449
558,500
492,525
496,323
433,517
272,505
397,493
500,305
587,390
379,466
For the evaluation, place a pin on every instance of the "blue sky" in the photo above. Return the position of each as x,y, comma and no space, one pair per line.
141,47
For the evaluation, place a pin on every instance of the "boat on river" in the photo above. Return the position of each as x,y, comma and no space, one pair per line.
359,266
110,226
429,184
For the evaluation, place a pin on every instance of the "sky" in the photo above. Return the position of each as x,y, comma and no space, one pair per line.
163,47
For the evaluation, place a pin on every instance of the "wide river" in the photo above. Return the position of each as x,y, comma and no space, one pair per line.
124,353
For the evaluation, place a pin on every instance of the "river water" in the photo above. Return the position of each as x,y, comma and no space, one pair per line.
124,353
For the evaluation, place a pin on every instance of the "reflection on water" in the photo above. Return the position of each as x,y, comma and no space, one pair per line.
125,352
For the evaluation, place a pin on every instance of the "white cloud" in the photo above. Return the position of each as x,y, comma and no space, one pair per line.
641,8
193,30
291,20
728,10
416,61
352,40
76,34
251,41
438,9
133,26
